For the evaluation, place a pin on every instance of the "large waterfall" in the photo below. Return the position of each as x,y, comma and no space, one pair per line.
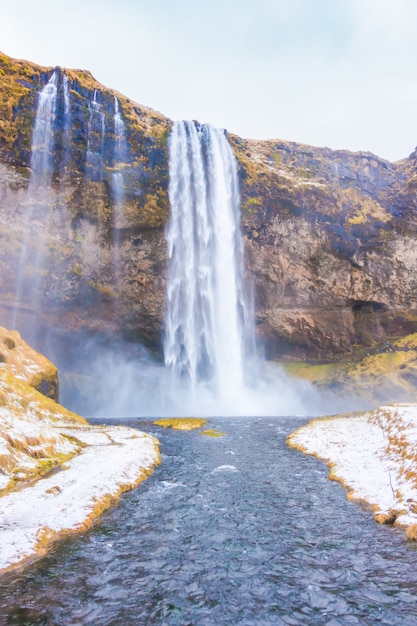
208,327
209,339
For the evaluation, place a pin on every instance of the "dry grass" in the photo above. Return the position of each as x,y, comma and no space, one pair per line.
181,423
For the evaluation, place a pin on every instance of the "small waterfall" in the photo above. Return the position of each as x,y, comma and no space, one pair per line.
66,137
29,276
208,324
120,155
118,186
95,139
41,164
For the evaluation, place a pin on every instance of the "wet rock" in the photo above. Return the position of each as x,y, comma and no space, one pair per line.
385,517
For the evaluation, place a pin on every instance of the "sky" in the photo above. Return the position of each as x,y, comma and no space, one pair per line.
335,73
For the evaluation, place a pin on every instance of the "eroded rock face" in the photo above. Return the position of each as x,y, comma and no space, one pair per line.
331,243
330,235
101,263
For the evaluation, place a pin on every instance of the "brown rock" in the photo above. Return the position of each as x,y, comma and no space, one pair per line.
27,364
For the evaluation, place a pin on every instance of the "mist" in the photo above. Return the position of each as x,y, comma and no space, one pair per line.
103,376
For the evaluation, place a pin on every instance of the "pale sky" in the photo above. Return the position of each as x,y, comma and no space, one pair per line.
336,73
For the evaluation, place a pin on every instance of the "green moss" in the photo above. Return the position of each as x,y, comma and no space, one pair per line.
408,342
317,374
106,290
388,374
212,432
181,423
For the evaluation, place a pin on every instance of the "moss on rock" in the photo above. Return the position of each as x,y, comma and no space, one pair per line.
30,441
181,423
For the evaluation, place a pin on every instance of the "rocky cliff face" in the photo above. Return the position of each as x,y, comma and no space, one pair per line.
330,235
331,242
103,260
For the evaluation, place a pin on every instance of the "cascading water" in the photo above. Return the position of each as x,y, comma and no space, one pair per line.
120,155
118,185
95,139
210,340
208,320
43,137
211,367
30,268
67,124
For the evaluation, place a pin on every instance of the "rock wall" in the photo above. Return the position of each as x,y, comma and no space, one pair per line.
80,287
330,235
331,243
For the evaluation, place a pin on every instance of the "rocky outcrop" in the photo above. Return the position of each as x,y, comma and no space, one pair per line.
330,235
21,361
331,243
31,440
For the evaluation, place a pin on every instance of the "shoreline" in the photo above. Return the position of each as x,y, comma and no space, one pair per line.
114,459
373,455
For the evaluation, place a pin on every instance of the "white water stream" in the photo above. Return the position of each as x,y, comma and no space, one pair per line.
95,139
206,324
209,342
120,157
29,275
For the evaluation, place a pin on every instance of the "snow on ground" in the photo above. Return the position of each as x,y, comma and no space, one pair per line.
114,459
374,455
57,473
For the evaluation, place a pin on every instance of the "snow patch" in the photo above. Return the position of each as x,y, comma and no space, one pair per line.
374,454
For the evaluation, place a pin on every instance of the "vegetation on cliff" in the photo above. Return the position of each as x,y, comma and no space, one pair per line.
387,371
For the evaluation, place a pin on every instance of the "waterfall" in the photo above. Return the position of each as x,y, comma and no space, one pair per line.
41,165
118,186
67,124
95,139
208,323
120,155
29,275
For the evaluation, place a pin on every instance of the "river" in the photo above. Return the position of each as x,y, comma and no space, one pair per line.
231,530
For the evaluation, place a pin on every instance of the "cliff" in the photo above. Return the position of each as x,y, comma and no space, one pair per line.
331,246
75,217
330,236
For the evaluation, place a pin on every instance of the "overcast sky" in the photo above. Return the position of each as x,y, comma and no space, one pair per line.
336,73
